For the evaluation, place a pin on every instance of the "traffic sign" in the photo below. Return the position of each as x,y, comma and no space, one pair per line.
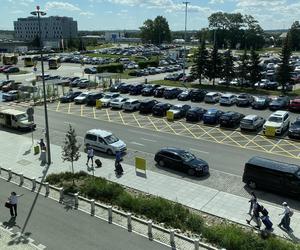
34,69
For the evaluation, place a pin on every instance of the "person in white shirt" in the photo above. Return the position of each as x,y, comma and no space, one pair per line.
13,201
285,221
90,155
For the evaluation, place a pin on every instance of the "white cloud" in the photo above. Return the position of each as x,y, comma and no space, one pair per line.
21,2
61,6
86,13
17,12
216,1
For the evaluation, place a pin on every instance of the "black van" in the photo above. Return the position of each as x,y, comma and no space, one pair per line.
272,175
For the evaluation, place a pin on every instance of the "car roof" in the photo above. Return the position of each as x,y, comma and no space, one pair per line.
212,110
227,95
229,113
211,93
99,132
173,149
132,100
250,117
279,113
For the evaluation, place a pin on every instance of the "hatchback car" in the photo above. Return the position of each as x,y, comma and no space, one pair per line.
147,105
197,95
230,119
212,116
252,122
194,114
171,93
81,99
160,109
69,97
92,70
184,95
84,83
106,99
118,102
227,99
295,104
149,89
282,102
212,97
261,102
179,110
136,89
294,130
125,88
131,105
244,100
181,160
92,97
159,92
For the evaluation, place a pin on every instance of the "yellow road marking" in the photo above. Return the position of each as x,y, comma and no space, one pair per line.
153,124
252,140
69,108
107,113
121,117
57,108
188,130
94,111
277,146
136,120
81,110
169,126
228,136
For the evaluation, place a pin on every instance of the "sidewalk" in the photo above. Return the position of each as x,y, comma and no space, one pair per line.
16,153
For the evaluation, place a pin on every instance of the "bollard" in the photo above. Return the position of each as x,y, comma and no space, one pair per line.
196,244
47,188
33,183
92,207
109,209
129,226
172,237
61,195
150,236
21,178
9,174
76,200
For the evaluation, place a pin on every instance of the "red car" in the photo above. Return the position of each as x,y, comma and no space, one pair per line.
4,67
295,104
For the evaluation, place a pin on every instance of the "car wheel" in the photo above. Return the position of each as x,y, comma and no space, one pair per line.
252,184
109,152
161,163
191,172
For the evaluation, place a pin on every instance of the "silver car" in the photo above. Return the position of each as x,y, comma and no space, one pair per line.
252,122
118,102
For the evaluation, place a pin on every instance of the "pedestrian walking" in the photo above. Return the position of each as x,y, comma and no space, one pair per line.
252,201
118,158
265,218
42,145
255,215
13,201
286,219
90,155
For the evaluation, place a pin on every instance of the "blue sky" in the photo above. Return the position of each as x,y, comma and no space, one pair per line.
130,14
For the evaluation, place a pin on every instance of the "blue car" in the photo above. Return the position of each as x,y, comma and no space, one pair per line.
212,116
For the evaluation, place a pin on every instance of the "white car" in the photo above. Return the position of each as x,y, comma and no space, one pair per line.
104,141
131,105
106,99
234,82
227,99
81,98
262,84
118,102
212,97
279,120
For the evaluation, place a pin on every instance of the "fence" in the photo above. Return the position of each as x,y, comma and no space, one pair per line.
112,215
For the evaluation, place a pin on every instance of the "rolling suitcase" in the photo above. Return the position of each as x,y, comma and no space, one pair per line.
267,222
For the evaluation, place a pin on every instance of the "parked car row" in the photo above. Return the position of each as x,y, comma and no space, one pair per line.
8,69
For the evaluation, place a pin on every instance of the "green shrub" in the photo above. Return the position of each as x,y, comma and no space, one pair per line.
150,63
194,223
54,179
112,68
70,188
127,202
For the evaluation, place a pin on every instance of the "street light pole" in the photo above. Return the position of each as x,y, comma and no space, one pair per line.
40,13
184,53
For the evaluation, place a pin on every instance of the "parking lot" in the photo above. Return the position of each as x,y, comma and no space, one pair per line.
236,138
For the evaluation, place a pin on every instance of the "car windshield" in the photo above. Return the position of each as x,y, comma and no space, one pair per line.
83,95
211,112
260,100
187,156
275,119
242,97
176,108
297,123
22,117
248,121
225,97
111,139
107,96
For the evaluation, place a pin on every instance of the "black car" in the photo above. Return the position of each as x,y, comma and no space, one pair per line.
69,97
244,100
179,110
184,95
124,88
136,89
197,95
160,109
294,130
282,102
91,98
147,105
116,87
149,89
159,92
172,93
92,70
272,85
195,114
261,102
181,160
212,116
231,119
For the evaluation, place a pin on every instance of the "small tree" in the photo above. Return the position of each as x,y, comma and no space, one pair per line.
243,67
70,148
228,70
214,65
254,68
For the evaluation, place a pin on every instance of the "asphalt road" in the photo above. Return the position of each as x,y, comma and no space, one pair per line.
56,227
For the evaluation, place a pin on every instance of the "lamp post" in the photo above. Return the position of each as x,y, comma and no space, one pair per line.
40,13
184,53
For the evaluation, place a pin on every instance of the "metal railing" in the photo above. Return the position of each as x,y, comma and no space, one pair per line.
110,214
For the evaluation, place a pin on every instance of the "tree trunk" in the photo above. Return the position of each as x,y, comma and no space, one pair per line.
200,80
73,173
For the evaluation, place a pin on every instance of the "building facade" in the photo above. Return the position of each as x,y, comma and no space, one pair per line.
53,28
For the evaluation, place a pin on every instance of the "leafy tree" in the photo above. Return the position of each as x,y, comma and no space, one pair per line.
253,34
254,68
70,148
243,67
147,31
214,65
294,33
36,42
228,70
284,71
200,62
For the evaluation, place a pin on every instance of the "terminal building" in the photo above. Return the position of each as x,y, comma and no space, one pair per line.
53,28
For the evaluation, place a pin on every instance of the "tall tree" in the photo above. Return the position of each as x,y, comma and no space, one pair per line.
243,67
147,31
294,33
254,68
200,62
214,65
228,70
70,148
284,70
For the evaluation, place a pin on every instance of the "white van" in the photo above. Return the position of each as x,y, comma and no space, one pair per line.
104,141
16,119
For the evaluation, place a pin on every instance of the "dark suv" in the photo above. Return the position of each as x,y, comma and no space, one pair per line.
195,114
159,92
125,88
69,97
244,100
231,119
172,93
181,160
197,95
91,98
136,89
149,89
160,109
147,105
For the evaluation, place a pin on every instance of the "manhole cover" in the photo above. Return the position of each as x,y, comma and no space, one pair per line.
24,162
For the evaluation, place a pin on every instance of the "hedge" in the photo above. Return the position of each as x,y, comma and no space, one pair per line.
111,68
172,214
150,63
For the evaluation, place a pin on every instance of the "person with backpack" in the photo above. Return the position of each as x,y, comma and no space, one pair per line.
265,218
286,219
255,215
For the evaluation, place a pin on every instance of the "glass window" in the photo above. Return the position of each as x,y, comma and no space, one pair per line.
91,137
111,139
